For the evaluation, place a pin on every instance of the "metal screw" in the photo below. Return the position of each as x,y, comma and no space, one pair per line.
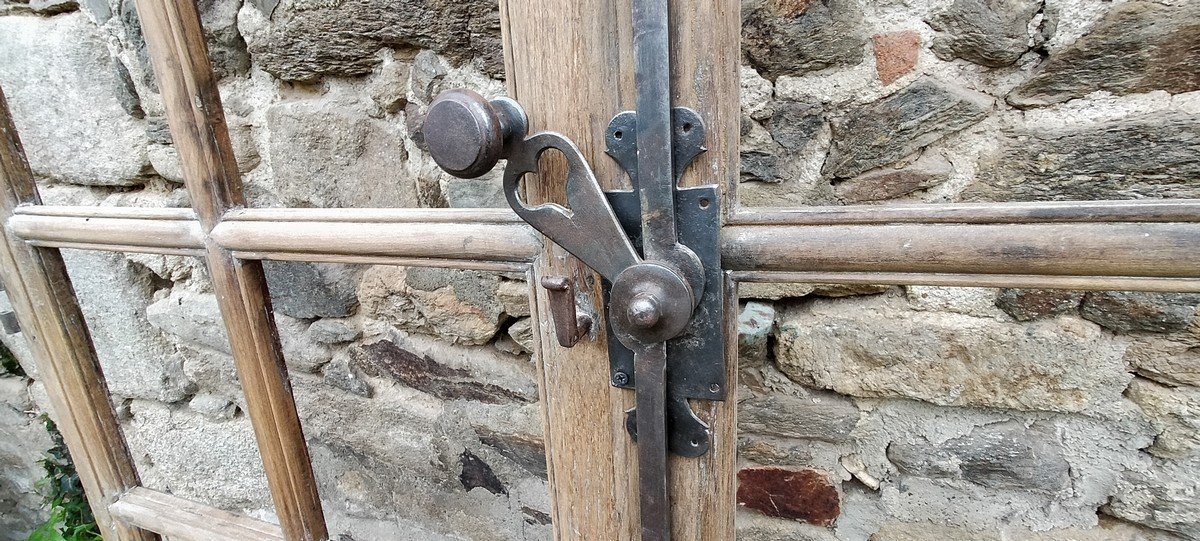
620,378
716,387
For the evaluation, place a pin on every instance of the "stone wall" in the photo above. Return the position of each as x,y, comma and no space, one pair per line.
865,413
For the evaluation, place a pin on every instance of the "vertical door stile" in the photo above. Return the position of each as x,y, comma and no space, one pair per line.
570,65
194,113
51,321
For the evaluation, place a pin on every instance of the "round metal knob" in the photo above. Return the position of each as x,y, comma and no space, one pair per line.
467,134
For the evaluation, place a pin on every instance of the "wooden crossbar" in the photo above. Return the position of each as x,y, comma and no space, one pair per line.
186,520
1127,245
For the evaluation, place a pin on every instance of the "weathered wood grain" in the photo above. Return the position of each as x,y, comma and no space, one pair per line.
570,65
176,43
1160,250
44,301
189,521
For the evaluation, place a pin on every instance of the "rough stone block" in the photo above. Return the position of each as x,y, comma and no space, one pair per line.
334,330
885,131
792,37
1031,304
192,318
23,441
304,40
1144,312
896,53
205,460
874,348
115,296
310,290
1174,413
446,372
325,153
794,124
79,132
805,495
1165,496
881,184
1163,359
992,33
458,305
971,301
1156,156
820,416
1006,455
756,322
1138,47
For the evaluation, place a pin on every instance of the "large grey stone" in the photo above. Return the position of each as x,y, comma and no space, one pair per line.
1174,413
1096,453
1030,304
63,87
191,318
792,37
885,131
23,441
459,306
821,416
1149,157
794,124
888,183
219,19
226,48
1138,47
331,154
992,33
873,347
115,296
307,39
196,456
1165,496
309,290
1146,312
1005,455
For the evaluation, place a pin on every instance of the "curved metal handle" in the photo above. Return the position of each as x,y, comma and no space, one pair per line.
588,229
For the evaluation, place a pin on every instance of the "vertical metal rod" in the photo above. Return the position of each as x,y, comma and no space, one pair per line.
654,503
652,62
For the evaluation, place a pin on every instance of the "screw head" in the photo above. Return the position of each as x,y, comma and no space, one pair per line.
620,378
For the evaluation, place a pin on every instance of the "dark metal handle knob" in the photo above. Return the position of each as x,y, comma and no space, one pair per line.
467,134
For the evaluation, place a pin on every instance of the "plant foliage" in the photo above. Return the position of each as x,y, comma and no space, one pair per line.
70,517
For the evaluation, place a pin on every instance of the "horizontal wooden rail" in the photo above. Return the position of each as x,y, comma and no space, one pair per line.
1159,250
1153,210
1142,245
381,237
110,233
1029,281
491,239
185,520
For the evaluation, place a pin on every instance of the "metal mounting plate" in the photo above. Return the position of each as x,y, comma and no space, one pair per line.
697,357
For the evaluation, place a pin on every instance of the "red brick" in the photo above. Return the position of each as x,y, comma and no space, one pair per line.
896,53
804,494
